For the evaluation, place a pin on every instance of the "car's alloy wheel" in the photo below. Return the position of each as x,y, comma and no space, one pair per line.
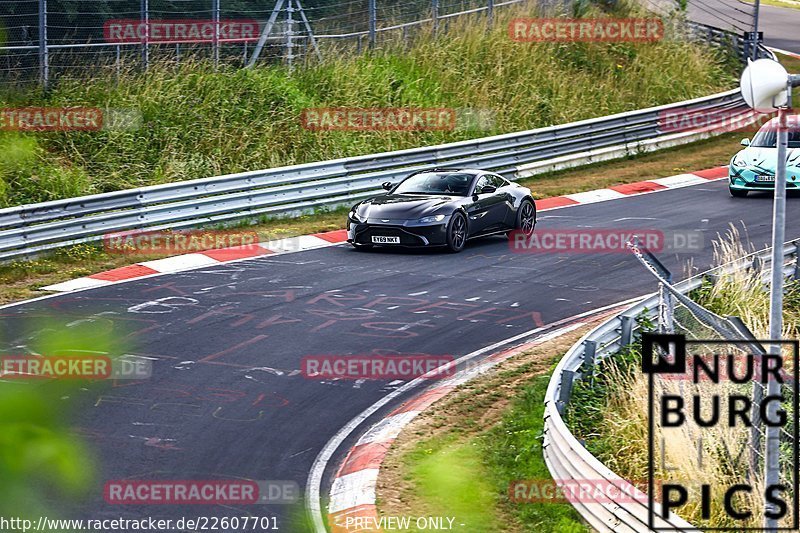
457,232
526,219
738,193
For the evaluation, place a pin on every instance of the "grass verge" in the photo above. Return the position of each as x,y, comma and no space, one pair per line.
458,458
197,122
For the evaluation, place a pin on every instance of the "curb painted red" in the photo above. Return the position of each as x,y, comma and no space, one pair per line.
331,238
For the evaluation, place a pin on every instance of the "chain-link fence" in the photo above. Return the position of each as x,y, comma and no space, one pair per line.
42,39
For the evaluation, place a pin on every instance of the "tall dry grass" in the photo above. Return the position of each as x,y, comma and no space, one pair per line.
612,413
199,123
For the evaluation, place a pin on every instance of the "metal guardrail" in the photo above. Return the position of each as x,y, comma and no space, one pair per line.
29,229
567,459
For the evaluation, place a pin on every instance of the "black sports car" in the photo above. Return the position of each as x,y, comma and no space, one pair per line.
441,207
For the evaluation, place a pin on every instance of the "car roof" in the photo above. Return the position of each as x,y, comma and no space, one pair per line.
454,170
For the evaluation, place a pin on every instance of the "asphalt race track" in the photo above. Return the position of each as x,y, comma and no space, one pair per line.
227,400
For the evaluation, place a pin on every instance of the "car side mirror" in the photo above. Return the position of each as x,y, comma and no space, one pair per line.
488,189
745,142
387,185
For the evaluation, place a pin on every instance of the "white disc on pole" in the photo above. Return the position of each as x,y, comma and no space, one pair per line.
763,85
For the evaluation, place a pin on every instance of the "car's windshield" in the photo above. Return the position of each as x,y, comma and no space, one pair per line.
436,183
767,138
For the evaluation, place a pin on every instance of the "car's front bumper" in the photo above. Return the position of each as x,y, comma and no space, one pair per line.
410,233
745,179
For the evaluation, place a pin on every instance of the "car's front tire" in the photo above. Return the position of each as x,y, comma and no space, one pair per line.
457,232
737,193
526,217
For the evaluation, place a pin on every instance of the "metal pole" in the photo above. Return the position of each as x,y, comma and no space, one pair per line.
145,19
289,33
44,59
215,38
756,9
435,14
373,22
310,31
490,11
265,33
772,455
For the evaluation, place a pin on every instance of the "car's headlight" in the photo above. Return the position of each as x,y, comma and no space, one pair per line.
739,162
434,218
352,215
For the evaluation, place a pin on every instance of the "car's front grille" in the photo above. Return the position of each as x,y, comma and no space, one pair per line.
768,185
406,238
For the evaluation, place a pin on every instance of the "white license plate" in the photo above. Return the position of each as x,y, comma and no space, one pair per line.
378,239
768,179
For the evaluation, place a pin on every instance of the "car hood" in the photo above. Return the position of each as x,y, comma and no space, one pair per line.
765,159
404,206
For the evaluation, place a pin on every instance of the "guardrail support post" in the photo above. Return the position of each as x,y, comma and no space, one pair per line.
435,14
626,332
589,352
565,391
490,11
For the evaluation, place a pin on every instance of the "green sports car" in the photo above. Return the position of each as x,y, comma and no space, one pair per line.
753,168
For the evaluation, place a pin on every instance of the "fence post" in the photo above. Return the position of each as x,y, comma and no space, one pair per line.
490,11
44,59
215,37
144,16
373,22
119,61
666,310
289,34
435,14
